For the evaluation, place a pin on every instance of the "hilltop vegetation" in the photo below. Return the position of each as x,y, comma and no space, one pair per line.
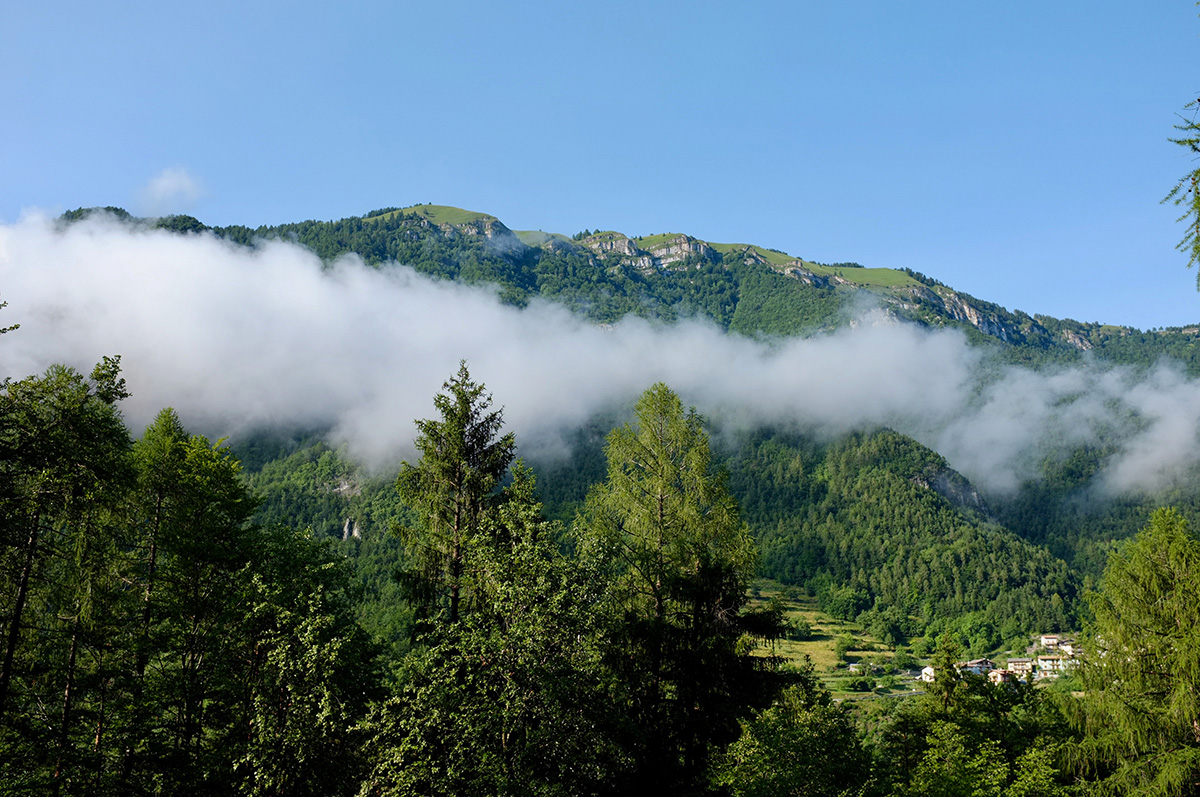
605,275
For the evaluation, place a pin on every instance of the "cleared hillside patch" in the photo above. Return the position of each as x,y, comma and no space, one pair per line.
771,256
821,645
869,277
438,214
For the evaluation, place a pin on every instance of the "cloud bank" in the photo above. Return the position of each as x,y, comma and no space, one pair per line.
235,339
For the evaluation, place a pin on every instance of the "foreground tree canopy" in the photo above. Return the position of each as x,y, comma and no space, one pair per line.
154,640
157,641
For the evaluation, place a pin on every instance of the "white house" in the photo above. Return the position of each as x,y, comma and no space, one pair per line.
1049,666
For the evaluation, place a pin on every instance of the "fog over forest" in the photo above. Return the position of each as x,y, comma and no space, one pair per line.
238,338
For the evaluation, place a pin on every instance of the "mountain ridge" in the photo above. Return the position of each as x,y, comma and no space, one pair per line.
605,275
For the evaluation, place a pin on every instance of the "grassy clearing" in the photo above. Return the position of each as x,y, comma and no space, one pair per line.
821,646
651,241
870,277
537,237
440,214
774,258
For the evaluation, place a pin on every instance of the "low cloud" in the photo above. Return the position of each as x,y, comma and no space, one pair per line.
238,338
172,190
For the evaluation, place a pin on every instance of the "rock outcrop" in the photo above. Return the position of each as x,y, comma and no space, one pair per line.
610,246
499,237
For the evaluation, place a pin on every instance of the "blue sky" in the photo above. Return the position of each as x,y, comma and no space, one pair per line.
1015,151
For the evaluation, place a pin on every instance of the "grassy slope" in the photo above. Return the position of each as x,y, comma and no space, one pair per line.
868,277
651,241
774,258
537,237
440,214
820,647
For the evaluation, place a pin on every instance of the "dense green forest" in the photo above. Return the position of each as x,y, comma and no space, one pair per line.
854,514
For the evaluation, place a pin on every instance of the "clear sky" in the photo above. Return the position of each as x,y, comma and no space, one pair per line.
1016,151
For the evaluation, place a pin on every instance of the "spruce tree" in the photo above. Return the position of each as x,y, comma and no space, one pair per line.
453,488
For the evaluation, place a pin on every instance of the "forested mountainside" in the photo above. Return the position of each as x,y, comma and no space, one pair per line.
757,291
874,525
183,617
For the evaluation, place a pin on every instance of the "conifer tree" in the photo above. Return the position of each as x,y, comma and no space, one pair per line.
1141,671
511,699
680,559
453,487
1186,193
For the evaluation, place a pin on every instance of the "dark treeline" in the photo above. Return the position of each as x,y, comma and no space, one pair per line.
155,641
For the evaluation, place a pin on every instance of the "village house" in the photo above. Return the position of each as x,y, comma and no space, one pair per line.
1002,677
1049,666
976,666
972,667
1021,668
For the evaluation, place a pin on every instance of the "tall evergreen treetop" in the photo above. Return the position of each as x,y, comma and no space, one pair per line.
452,487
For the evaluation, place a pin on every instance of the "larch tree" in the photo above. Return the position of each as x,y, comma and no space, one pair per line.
1141,670
1186,193
679,560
